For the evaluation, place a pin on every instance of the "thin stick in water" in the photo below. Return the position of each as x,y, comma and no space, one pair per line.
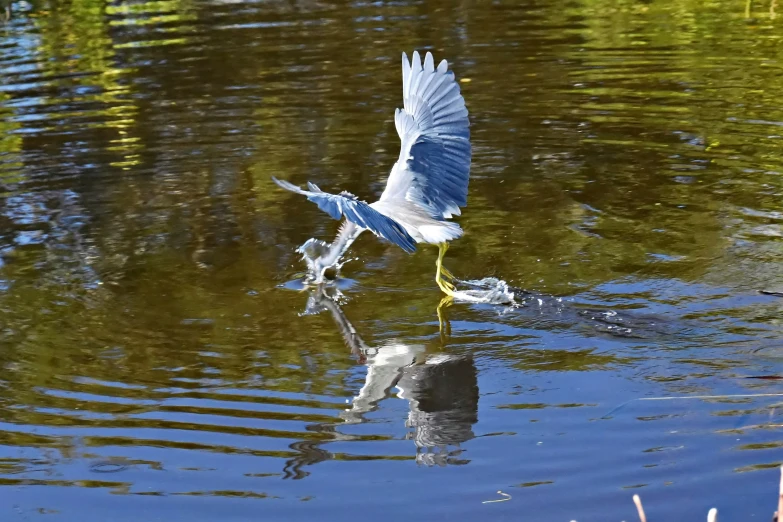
506,495
639,508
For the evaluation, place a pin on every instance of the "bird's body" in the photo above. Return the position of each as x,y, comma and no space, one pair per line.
422,227
427,185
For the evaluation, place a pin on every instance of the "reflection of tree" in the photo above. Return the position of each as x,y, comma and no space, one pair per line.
662,92
620,137
75,47
10,144
154,88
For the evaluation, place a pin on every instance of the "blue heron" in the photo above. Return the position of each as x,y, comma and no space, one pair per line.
427,185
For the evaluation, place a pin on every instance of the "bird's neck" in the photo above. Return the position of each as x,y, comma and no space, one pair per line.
347,235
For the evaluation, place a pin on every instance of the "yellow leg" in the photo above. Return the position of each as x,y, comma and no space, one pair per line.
443,322
444,285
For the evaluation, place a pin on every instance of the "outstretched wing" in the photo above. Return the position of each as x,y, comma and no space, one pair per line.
355,211
434,164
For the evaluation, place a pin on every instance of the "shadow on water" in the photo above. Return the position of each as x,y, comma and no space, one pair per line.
609,321
441,390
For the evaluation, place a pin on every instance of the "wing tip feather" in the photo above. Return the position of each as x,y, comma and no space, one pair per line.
437,113
286,185
429,63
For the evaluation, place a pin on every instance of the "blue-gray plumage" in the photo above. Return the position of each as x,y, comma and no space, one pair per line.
355,211
427,185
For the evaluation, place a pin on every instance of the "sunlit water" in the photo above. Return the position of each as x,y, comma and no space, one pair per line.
159,361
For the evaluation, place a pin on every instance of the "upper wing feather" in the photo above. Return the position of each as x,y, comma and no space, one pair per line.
355,211
434,164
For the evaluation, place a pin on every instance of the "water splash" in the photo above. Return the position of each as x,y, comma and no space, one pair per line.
489,290
320,256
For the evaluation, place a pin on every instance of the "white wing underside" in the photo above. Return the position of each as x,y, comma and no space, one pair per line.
433,168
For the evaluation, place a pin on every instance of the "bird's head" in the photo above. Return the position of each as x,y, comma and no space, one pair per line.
312,249
313,253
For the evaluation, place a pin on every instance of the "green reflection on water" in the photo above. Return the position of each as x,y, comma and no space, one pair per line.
635,145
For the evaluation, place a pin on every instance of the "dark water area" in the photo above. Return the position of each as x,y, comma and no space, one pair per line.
160,363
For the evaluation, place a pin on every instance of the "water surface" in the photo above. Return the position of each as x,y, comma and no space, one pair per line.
158,363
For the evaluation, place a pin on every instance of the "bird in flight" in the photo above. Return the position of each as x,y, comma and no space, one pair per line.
427,185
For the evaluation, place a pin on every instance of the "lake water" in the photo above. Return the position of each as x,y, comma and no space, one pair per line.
160,362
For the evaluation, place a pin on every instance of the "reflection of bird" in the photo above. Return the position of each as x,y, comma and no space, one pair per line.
441,389
427,185
443,406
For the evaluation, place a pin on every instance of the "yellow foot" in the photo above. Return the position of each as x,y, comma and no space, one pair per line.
446,287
